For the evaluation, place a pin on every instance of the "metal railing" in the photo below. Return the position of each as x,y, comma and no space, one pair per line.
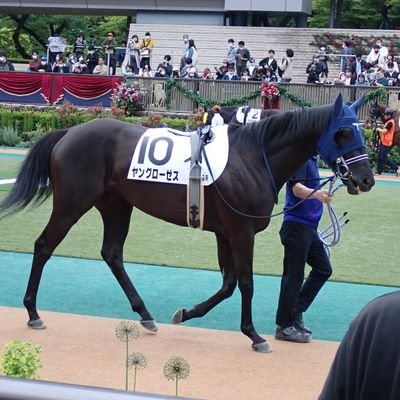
224,90
24,389
215,90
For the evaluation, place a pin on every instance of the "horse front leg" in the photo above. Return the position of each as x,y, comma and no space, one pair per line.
229,282
243,247
116,214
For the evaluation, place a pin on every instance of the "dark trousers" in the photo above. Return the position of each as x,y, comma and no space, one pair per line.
112,68
145,61
301,245
239,69
384,159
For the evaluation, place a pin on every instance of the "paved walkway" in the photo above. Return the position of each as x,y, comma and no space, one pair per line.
84,350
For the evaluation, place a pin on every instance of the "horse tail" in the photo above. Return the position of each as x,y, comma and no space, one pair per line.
33,180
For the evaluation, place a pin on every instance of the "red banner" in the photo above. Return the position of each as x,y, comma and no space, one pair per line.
53,86
86,87
26,84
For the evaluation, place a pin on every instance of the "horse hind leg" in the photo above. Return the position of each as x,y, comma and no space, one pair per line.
60,222
116,214
229,282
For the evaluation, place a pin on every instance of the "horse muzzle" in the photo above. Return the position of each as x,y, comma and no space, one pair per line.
357,185
357,178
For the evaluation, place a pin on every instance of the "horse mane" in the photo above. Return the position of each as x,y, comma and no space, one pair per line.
284,126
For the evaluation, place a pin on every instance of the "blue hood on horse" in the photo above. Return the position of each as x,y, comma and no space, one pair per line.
343,117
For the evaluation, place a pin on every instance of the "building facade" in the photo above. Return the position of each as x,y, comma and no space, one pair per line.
205,12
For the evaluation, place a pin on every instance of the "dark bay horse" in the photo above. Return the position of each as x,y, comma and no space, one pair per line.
86,166
378,111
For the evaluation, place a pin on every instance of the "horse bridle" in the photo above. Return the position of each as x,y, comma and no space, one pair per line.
343,163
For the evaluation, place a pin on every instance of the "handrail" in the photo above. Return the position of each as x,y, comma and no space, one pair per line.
24,389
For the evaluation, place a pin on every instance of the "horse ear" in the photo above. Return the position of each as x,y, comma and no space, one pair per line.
338,106
357,104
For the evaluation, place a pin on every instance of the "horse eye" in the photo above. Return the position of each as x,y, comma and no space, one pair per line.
343,136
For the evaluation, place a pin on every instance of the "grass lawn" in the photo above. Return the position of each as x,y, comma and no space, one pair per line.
368,252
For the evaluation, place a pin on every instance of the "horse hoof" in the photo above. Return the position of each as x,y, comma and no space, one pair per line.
178,317
149,325
36,324
262,347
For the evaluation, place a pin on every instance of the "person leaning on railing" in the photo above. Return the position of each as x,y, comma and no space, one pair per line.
5,65
100,68
109,45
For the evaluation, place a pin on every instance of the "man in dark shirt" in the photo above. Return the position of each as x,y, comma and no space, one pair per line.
269,62
242,56
5,65
299,236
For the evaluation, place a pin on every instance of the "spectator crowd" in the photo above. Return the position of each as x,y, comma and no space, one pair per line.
135,57
377,68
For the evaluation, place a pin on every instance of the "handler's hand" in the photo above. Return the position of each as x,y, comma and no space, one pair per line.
323,196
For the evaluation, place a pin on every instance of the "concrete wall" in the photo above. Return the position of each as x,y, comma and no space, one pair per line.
302,6
180,18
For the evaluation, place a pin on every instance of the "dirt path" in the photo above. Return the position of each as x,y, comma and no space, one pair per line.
8,150
84,350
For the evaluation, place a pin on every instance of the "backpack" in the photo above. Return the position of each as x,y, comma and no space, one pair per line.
281,71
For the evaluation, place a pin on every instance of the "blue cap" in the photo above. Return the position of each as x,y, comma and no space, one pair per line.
43,58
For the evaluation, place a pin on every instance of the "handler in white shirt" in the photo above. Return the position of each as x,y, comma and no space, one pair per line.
217,120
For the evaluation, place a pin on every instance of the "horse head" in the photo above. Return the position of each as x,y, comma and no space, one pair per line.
342,147
375,110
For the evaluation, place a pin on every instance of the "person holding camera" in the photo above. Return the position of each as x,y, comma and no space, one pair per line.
166,65
133,54
80,67
242,57
92,59
313,70
391,74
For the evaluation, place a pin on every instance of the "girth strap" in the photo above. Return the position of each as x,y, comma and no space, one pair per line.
195,190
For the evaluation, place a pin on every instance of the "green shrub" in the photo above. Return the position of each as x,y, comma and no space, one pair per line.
27,139
20,359
30,124
175,123
6,118
9,136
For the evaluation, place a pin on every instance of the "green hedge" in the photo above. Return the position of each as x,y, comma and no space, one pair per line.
23,127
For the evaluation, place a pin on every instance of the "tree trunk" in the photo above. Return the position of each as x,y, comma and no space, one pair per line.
16,35
339,7
21,27
332,14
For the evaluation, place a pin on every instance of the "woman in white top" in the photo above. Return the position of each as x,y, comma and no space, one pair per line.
192,52
217,120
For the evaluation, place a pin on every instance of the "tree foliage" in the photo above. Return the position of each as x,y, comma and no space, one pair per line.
20,34
358,14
